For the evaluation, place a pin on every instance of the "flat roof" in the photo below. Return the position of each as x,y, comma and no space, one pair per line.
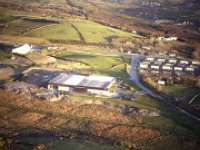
92,81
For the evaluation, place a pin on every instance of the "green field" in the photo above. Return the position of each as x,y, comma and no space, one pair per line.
90,31
7,19
4,55
107,65
68,30
96,33
56,32
21,26
180,91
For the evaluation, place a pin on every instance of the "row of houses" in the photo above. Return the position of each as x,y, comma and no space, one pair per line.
169,66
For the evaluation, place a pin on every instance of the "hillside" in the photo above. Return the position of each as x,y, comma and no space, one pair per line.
115,13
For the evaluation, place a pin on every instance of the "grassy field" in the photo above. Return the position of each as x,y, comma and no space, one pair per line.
56,32
4,55
7,19
68,30
90,31
21,26
106,65
180,91
96,33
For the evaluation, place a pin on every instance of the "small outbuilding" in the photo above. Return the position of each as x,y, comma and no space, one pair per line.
161,82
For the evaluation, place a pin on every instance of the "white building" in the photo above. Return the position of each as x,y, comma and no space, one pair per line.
161,82
190,69
144,65
195,62
167,38
185,62
178,68
150,59
172,55
167,67
156,67
26,49
173,61
22,50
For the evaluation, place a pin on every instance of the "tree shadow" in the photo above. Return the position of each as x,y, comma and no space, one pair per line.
110,38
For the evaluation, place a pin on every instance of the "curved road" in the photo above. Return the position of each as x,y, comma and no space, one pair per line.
135,78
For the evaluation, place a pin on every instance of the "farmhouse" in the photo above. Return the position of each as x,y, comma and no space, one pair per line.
93,84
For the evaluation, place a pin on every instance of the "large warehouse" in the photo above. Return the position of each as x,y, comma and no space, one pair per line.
93,84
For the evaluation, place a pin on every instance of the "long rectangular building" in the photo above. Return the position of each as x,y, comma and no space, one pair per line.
93,84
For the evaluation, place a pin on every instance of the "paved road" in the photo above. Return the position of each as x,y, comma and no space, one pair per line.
135,77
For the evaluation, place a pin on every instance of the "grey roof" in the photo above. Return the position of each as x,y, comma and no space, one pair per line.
85,81
60,79
94,83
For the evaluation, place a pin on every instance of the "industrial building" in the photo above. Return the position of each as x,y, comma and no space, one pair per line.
93,84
